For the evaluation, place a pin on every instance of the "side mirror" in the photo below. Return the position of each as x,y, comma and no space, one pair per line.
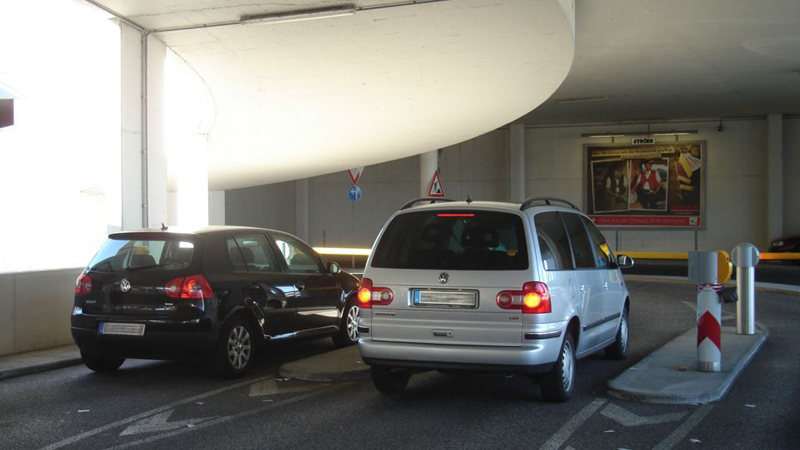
624,261
334,267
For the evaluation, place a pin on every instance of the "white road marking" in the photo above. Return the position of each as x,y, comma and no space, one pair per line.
224,419
90,433
680,433
572,424
271,387
159,424
626,418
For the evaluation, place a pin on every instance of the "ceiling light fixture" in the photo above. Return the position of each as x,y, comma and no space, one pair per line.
299,16
639,133
579,100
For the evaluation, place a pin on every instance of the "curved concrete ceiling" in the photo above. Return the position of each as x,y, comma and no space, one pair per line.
301,99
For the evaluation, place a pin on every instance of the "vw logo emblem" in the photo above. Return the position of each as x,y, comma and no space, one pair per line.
124,285
444,277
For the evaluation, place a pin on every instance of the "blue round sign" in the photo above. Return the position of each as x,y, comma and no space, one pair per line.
354,193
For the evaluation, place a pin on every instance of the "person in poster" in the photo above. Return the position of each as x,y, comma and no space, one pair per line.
648,187
610,185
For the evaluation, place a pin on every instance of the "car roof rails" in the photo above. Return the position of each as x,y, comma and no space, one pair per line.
546,200
432,200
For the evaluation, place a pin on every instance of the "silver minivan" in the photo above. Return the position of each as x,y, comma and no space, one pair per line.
491,287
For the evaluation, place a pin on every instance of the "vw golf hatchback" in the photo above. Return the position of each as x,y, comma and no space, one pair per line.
498,287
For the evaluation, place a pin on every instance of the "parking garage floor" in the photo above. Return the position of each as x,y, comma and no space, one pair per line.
178,405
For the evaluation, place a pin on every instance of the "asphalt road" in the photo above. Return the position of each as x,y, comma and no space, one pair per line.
167,405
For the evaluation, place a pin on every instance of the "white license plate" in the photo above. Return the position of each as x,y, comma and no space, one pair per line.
444,298
123,329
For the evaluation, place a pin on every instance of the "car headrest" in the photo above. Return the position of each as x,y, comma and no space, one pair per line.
247,254
138,260
433,232
480,237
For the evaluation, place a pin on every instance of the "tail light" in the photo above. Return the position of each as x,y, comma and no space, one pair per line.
369,295
534,298
83,285
191,287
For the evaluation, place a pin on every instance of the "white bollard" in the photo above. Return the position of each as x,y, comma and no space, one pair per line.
745,257
703,271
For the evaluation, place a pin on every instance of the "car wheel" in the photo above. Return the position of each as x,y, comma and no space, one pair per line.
388,380
559,382
348,328
102,364
236,348
619,349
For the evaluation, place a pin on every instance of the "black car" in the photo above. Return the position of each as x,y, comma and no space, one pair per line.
216,293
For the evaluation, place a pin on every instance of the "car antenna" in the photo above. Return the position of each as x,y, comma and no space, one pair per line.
469,200
164,227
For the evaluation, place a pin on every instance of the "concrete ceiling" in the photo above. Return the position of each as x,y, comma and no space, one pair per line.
307,98
678,59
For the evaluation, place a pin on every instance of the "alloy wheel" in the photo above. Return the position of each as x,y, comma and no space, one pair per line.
352,323
239,347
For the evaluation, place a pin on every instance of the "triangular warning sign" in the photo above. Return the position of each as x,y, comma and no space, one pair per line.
355,174
435,189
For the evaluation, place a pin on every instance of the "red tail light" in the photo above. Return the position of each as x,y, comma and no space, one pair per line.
369,295
534,298
191,287
83,285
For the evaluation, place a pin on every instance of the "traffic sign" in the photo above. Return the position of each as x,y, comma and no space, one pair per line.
355,174
354,193
435,189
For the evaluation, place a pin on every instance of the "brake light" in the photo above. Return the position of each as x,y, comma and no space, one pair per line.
191,287
455,215
83,285
369,295
534,298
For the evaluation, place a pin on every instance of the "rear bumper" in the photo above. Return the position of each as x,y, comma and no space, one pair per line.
538,356
160,340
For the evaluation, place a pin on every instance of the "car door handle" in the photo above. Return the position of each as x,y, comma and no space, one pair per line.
300,285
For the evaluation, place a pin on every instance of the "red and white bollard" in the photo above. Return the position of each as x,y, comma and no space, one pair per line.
709,328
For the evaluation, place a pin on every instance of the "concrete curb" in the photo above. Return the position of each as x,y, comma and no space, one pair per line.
36,361
651,380
339,365
43,367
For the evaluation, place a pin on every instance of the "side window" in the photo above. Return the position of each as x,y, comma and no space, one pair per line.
581,246
235,256
602,252
255,253
553,241
298,257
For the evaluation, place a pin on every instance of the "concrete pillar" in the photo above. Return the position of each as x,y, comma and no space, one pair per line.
301,208
428,164
124,190
774,176
156,168
216,208
517,162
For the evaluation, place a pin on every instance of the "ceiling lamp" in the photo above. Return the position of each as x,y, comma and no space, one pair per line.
639,133
299,16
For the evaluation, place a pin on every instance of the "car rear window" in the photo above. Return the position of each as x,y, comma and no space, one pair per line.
133,254
453,240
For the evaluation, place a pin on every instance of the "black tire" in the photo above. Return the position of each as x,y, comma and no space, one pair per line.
235,348
559,383
388,380
101,364
619,349
348,327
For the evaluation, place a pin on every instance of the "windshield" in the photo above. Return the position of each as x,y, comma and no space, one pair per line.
127,255
455,240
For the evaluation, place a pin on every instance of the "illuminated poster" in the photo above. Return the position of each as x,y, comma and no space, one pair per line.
646,186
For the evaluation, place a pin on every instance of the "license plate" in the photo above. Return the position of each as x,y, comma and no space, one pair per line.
444,298
122,329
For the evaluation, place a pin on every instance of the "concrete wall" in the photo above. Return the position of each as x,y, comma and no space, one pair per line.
35,309
735,179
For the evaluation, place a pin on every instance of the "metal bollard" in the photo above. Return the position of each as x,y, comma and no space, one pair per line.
703,271
746,257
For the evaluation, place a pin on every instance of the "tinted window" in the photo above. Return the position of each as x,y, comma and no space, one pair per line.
298,257
581,246
454,240
602,252
130,254
256,253
235,255
553,241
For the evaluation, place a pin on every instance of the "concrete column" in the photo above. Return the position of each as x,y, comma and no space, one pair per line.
774,176
301,208
124,190
428,164
156,169
216,208
517,162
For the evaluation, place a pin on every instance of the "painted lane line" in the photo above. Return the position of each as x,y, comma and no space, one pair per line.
90,433
227,418
159,424
572,425
680,433
626,418
271,387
